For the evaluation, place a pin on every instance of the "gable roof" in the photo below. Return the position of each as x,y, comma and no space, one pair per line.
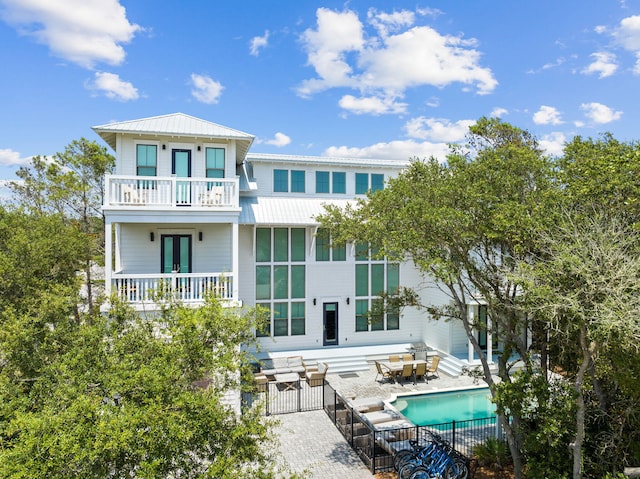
176,125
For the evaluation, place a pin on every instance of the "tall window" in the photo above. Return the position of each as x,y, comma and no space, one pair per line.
146,164
297,181
214,162
280,279
281,181
374,278
362,183
325,250
339,182
322,182
377,182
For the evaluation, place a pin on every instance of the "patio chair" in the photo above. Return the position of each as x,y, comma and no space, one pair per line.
433,367
384,372
420,372
394,358
316,378
407,357
407,372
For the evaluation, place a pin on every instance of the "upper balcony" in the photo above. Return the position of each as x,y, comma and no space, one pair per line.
171,192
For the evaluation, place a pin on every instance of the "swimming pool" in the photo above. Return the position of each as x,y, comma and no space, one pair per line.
440,407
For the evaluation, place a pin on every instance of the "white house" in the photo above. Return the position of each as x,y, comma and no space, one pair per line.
190,208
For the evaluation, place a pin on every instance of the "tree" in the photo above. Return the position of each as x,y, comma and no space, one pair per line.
587,286
71,184
121,396
466,224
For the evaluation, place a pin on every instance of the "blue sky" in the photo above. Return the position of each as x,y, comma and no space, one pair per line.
374,79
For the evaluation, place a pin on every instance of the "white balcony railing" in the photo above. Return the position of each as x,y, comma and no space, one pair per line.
171,191
185,287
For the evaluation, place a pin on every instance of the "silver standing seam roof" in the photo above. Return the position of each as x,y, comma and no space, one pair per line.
284,211
176,125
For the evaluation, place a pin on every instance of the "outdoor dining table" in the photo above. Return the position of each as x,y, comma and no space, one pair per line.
396,366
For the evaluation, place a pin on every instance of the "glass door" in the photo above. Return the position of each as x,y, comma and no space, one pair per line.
176,258
181,168
330,318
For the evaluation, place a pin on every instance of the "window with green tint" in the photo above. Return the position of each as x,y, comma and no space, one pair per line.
393,278
146,160
263,282
362,322
297,319
280,282
362,183
377,182
339,182
377,279
214,162
263,245
281,181
362,280
297,181
297,244
297,282
377,319
393,319
280,244
374,251
323,248
322,182
362,251
264,329
280,319
339,253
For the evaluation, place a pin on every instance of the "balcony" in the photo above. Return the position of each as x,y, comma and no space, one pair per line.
184,287
171,192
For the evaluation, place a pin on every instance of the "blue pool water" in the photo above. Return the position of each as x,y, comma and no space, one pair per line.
436,408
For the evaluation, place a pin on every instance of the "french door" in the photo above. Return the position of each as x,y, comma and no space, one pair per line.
181,168
176,258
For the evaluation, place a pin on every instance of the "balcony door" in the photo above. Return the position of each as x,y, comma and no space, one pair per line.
181,168
176,254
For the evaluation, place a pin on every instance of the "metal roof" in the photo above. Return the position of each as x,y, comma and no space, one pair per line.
176,125
284,211
326,160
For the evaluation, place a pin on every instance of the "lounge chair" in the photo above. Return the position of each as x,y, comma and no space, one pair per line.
433,367
384,372
420,372
316,378
407,372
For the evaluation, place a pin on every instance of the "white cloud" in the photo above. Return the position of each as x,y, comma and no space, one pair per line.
628,35
394,57
547,115
553,143
113,87
604,65
371,105
257,43
396,150
498,112
85,32
12,158
279,139
437,129
599,113
205,89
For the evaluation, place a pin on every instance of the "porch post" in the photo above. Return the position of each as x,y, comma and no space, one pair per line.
108,260
235,265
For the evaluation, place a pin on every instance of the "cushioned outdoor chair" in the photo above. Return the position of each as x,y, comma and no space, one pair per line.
316,378
433,367
384,372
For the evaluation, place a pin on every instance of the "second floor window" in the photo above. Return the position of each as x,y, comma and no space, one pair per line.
215,162
363,185
281,181
146,160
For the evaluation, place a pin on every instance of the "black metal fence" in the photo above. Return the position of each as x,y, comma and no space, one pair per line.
376,446
285,398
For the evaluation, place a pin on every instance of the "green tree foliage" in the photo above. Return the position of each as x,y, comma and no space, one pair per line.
587,287
122,396
467,224
71,185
